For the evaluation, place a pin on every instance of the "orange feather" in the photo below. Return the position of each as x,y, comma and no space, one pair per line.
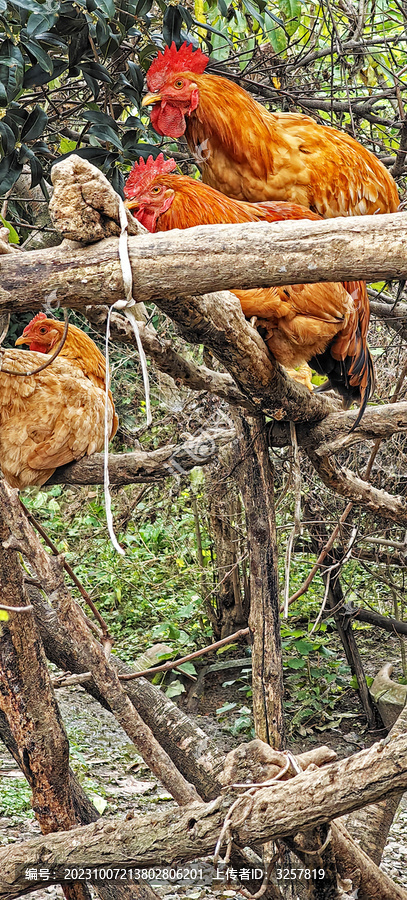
318,322
249,153
57,415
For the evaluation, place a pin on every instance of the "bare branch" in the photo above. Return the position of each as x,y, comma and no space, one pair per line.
146,467
349,485
167,360
213,258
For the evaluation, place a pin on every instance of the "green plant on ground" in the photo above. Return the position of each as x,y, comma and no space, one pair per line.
15,798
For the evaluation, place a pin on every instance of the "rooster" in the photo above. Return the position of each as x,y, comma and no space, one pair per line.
55,416
325,323
249,153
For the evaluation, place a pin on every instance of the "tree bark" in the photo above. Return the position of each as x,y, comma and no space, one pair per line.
310,799
370,826
230,613
212,258
85,813
257,487
189,747
147,467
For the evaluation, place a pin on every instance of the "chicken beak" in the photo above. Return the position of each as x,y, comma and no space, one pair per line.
21,340
131,204
151,98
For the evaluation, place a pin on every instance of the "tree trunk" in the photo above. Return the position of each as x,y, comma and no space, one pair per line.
257,487
231,612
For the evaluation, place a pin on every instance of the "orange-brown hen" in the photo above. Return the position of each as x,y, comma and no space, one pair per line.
57,415
249,153
321,323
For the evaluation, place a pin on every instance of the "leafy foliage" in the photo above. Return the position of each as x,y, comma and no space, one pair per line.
72,74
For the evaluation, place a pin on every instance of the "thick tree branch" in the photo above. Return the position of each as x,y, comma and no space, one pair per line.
146,467
162,353
310,799
349,485
208,258
332,434
217,321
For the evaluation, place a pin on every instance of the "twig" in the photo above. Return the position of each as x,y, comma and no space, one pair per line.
178,662
305,585
105,633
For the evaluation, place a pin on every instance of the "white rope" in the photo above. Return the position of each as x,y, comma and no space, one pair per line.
127,306
106,481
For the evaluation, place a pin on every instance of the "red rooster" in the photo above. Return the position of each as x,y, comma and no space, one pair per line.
57,415
324,323
249,153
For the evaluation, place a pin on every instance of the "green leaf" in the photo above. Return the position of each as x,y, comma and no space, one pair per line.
11,68
188,668
296,663
37,76
143,8
223,8
107,7
136,75
10,170
37,171
105,133
96,71
3,615
186,15
39,23
7,136
92,84
127,13
103,31
227,707
34,125
304,647
172,24
13,236
99,118
67,146
15,118
99,802
130,140
251,9
175,689
34,49
96,155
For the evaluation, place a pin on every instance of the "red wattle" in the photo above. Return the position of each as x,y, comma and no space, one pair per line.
168,120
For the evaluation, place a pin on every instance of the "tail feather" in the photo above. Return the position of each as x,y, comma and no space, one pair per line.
352,377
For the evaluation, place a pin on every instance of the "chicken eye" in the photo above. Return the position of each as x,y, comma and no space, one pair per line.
179,83
43,330
155,190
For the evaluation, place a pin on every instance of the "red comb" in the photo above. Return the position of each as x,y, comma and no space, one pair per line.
36,318
143,173
186,59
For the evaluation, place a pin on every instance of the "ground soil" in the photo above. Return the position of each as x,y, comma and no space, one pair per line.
116,778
